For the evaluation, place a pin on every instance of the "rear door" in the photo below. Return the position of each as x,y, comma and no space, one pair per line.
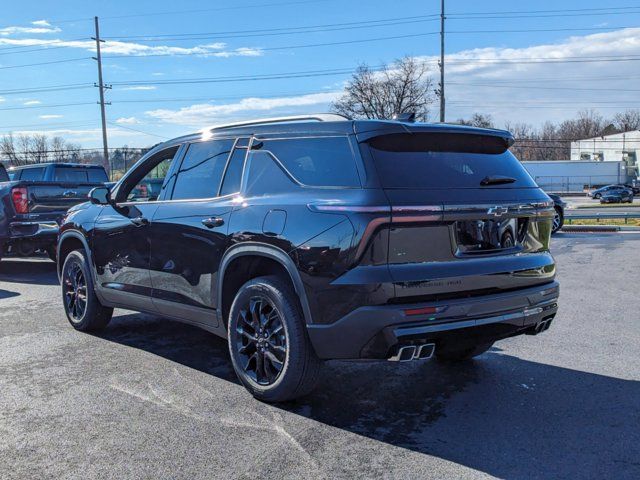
463,214
189,230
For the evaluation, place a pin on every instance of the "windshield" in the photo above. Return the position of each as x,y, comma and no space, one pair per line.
420,163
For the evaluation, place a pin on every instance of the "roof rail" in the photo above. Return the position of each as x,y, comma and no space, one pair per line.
320,117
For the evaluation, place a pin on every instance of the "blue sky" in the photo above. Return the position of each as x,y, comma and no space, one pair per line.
153,45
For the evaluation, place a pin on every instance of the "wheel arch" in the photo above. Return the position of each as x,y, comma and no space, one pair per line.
66,243
270,252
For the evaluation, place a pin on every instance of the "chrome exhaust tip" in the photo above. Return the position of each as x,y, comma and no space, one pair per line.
425,351
413,352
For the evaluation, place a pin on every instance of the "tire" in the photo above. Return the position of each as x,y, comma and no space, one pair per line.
83,309
597,196
507,240
266,309
558,220
461,354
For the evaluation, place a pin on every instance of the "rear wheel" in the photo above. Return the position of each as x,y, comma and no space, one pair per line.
462,353
558,220
83,309
270,350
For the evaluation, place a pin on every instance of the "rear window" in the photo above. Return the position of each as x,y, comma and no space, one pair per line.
435,162
97,175
319,161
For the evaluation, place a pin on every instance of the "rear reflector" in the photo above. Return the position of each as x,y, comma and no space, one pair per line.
20,199
424,310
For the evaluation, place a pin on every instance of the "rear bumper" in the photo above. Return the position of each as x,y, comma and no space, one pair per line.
378,332
34,230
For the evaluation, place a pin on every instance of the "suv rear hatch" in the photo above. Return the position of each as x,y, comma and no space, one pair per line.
466,217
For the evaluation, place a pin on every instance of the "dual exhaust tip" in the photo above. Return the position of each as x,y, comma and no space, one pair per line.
543,326
414,352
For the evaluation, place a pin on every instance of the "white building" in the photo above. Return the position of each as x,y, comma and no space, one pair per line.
616,147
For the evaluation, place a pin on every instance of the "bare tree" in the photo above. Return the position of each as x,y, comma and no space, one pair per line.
627,121
481,120
8,149
404,87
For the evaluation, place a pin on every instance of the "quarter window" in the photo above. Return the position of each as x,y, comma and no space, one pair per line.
320,161
201,170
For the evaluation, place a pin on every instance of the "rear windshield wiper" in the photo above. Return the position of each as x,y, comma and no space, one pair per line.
496,180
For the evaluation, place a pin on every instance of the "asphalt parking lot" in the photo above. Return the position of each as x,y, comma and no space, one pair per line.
151,398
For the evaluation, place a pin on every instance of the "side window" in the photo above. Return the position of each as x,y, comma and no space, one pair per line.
201,170
148,178
265,176
32,174
233,174
320,161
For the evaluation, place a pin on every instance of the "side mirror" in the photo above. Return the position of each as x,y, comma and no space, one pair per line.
100,196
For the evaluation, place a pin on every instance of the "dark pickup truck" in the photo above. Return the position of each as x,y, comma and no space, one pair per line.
33,200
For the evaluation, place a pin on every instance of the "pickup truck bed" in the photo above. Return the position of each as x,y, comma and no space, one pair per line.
31,210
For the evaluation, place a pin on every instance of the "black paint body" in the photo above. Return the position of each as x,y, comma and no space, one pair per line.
357,256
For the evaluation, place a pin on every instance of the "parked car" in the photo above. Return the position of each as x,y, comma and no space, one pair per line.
313,238
559,205
36,198
597,194
635,188
617,196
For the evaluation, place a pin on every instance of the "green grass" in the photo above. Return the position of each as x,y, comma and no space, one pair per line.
631,222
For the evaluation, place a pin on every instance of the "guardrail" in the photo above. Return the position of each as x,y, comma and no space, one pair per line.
568,217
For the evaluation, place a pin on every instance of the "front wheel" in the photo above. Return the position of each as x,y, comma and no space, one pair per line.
462,353
81,305
597,196
268,342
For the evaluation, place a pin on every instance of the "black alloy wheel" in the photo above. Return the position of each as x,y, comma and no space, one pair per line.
75,292
261,341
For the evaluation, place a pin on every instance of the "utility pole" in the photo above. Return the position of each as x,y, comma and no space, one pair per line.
442,18
102,87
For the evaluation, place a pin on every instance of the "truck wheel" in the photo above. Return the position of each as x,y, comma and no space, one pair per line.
83,309
558,220
268,342
460,354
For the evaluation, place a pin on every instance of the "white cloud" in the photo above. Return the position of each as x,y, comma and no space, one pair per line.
525,87
49,117
140,87
127,120
115,47
32,102
2,99
157,74
38,28
205,113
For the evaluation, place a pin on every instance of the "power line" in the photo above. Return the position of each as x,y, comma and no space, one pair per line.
50,88
49,45
45,63
57,105
565,10
526,87
281,30
139,131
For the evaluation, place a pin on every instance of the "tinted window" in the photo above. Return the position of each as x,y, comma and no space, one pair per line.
233,175
421,164
265,176
33,174
97,175
202,169
75,175
324,161
3,174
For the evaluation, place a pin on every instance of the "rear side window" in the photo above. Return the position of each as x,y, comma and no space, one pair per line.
320,161
422,161
32,174
201,170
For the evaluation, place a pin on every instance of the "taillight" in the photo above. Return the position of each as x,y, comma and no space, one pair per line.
20,199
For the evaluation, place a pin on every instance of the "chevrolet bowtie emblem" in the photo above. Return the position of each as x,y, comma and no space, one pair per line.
497,211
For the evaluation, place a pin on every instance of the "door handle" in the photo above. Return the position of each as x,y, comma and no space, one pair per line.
70,193
213,222
139,221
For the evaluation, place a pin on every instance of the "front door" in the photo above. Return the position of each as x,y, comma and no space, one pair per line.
189,231
121,241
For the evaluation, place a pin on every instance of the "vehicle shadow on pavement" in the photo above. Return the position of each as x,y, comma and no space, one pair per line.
499,414
28,271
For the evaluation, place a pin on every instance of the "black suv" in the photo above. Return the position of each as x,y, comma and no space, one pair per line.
304,239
